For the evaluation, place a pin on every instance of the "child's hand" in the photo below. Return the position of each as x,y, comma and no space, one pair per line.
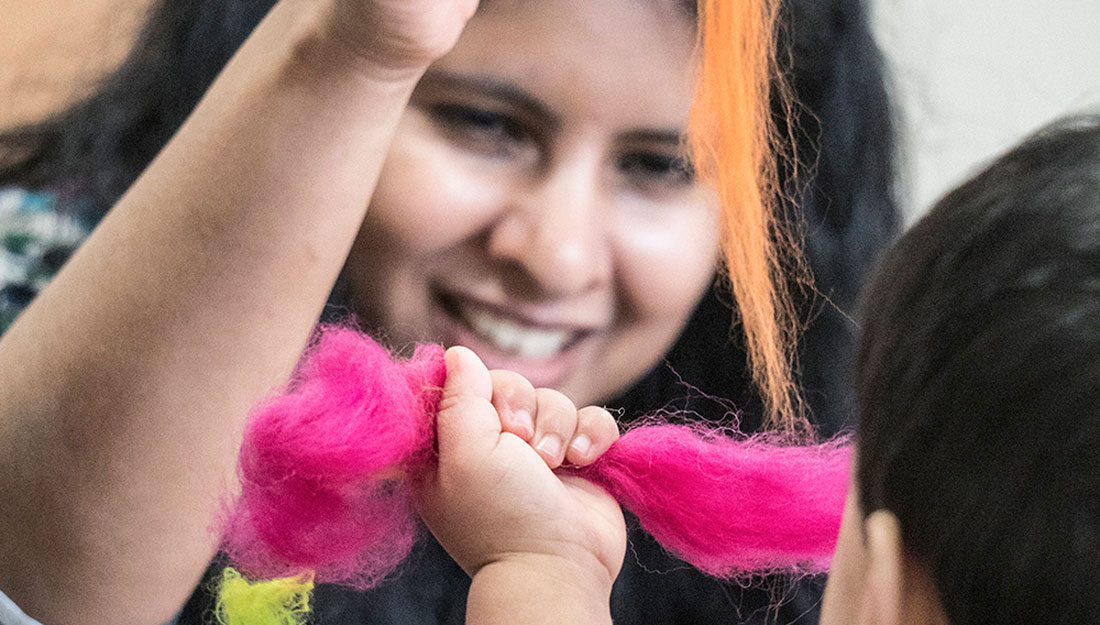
495,499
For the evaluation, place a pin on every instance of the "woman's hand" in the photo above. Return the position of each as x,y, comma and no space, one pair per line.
528,537
400,35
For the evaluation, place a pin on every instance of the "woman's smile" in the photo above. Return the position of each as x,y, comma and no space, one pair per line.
534,340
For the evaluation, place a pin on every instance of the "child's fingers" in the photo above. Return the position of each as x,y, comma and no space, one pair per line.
555,422
514,399
467,421
596,430
466,375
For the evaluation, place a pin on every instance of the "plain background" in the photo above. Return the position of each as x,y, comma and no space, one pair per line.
970,77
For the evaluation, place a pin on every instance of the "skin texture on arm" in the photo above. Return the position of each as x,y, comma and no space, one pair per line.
540,548
125,385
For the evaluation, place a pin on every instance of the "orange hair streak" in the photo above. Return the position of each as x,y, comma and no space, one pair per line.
735,146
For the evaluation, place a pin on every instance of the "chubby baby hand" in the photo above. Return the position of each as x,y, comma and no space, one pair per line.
495,500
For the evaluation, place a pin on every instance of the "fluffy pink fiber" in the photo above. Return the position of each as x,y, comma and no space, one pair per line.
323,469
322,464
731,507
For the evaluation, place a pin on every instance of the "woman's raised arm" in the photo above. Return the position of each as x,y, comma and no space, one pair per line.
124,386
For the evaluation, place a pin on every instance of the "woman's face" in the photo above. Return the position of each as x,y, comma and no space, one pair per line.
533,206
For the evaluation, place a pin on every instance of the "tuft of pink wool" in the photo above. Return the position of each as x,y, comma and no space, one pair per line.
731,507
324,466
321,464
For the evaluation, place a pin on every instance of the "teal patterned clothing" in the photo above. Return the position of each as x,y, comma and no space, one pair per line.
38,233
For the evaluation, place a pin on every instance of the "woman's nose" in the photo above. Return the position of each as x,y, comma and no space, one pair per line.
554,229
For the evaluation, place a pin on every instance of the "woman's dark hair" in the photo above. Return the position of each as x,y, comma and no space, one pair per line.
100,145
979,386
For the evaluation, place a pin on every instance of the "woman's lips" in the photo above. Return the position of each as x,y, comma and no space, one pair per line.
543,353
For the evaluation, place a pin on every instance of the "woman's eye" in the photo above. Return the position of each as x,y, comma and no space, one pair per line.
651,170
481,130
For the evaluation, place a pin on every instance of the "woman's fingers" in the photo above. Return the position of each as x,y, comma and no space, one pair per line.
596,430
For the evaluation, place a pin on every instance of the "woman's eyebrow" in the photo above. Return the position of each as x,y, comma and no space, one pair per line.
672,136
441,81
492,87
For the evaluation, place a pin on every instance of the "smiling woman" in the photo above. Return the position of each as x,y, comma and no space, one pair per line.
523,192
569,244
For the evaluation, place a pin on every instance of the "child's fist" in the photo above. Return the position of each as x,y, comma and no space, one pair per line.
495,497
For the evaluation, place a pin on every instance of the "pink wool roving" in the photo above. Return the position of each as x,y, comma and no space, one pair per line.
323,468
322,464
731,507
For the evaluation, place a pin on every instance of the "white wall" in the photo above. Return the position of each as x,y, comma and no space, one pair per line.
972,77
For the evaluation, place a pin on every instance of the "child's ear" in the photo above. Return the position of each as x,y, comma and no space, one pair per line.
882,598
899,589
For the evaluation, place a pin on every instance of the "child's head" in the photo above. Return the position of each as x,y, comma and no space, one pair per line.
979,386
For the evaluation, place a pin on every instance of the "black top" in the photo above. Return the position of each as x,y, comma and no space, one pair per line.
653,588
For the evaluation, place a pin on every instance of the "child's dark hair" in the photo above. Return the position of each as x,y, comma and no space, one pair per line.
979,386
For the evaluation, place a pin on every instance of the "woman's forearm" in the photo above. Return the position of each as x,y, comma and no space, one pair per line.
125,385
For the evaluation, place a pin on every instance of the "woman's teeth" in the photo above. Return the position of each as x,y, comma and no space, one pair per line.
508,336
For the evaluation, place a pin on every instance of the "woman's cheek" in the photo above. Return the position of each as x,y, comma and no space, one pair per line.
428,197
667,262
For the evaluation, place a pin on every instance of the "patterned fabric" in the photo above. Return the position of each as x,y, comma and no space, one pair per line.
38,233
